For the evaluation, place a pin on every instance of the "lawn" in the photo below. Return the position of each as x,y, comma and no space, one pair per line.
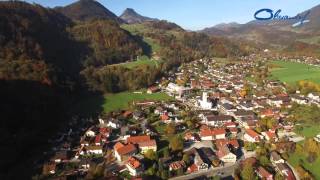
291,72
309,131
295,159
121,100
142,60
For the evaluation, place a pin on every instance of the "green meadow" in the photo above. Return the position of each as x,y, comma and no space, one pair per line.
291,72
119,101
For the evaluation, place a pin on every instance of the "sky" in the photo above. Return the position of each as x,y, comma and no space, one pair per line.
198,14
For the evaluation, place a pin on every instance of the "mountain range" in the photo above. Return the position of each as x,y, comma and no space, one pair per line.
273,32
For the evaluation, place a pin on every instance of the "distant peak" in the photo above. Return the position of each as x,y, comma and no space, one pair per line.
130,16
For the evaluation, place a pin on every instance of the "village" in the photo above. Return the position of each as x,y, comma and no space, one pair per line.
220,124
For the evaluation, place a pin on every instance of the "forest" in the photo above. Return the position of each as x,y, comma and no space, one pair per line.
48,63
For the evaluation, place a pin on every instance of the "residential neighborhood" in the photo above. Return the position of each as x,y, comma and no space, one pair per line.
220,124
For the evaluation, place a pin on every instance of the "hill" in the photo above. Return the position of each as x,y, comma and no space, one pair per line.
84,10
279,35
130,16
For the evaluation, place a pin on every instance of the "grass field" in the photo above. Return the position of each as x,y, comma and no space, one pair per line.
311,40
143,60
309,131
121,100
291,72
295,159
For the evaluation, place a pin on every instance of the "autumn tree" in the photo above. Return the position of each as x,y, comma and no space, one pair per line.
176,143
247,172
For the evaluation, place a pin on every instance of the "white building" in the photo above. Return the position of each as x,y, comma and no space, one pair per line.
204,103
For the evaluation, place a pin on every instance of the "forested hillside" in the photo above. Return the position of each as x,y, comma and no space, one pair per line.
49,63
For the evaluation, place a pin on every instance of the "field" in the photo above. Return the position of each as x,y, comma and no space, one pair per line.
311,40
121,100
291,72
309,131
143,60
296,158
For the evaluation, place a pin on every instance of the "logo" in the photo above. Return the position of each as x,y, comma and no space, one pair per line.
269,14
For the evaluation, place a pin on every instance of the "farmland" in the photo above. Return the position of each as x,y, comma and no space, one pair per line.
291,72
121,100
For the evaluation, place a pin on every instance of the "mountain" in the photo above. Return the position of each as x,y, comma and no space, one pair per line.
130,16
225,26
84,10
279,34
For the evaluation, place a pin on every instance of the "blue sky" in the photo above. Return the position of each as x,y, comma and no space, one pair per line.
198,14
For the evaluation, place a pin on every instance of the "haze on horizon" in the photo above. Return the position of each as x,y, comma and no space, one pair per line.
199,15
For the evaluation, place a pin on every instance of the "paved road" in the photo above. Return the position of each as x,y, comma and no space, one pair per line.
225,171
295,173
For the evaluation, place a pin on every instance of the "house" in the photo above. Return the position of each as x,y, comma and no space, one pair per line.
212,134
137,115
152,89
216,120
177,165
61,156
278,101
123,152
269,136
134,166
246,105
268,113
284,170
248,122
193,168
98,140
144,143
230,124
299,99
159,110
240,113
105,132
191,137
275,158
233,143
225,155
90,133
49,168
165,118
227,108
94,149
148,145
208,156
314,96
264,174
200,163
114,123
251,136
178,90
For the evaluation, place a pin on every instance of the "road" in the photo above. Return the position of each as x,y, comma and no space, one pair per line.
226,171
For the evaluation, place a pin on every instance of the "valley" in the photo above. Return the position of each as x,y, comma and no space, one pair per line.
88,93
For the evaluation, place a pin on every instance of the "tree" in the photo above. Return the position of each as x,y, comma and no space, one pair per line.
176,143
264,161
150,154
278,176
166,152
151,171
186,158
164,174
171,129
247,172
180,172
